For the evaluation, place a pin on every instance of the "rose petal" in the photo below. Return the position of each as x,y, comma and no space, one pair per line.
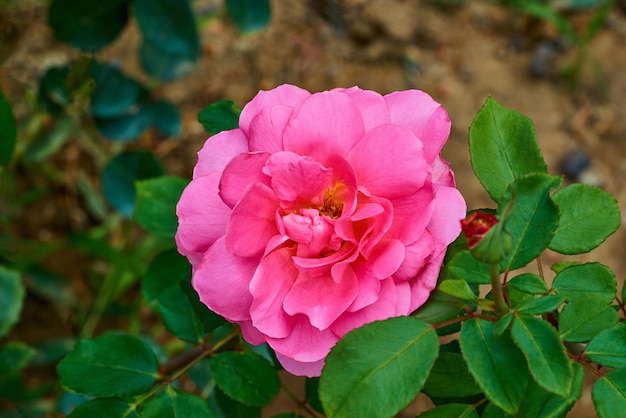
253,222
321,298
325,124
385,258
218,150
411,214
417,111
298,179
222,281
284,95
202,217
250,333
389,161
383,308
450,209
270,284
267,127
415,257
371,104
300,368
403,298
242,171
369,288
425,281
442,175
305,343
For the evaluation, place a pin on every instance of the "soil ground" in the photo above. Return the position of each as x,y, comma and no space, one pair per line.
459,54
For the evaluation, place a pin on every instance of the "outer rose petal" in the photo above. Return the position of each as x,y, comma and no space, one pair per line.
242,171
389,161
324,125
371,104
450,209
426,280
202,217
300,368
305,343
442,175
267,127
284,95
416,256
253,222
222,281
383,308
417,111
218,150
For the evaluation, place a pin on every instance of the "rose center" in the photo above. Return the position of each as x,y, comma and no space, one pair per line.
331,206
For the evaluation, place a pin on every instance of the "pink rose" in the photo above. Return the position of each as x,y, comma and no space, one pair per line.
321,213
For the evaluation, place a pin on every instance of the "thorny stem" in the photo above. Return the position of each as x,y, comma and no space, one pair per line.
540,269
498,295
580,359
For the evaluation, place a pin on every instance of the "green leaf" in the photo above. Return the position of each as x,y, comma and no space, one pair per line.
171,43
544,352
179,316
115,93
246,377
450,378
457,288
540,305
209,319
230,408
121,173
533,219
583,318
166,117
167,269
249,15
528,283
503,147
451,410
609,394
496,363
539,403
155,205
312,395
584,280
503,324
608,348
14,356
104,408
11,299
394,359
465,267
109,365
439,307
588,215
175,403
8,131
183,313
87,25
126,126
219,116
166,66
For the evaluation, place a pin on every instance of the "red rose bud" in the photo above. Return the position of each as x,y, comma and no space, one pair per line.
487,240
476,226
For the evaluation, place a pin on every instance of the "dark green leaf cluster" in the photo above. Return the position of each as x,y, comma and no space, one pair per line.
521,349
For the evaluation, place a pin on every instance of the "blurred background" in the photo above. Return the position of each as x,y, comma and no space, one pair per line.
560,62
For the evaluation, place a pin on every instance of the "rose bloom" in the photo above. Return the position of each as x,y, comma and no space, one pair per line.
321,213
